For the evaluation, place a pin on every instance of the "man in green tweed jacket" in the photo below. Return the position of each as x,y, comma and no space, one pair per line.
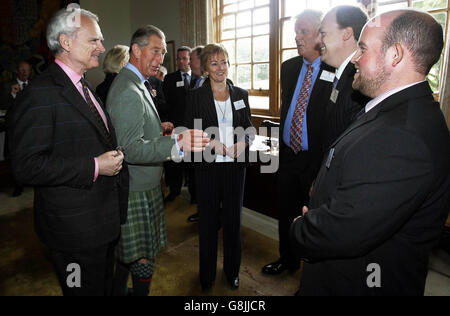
140,133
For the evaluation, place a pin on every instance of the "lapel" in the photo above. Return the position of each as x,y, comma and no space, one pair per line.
73,97
414,92
291,83
210,108
319,85
347,74
137,81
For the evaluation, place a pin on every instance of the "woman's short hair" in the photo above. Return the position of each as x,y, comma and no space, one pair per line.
65,21
115,59
211,50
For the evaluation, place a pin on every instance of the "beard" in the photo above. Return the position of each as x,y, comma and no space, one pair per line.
370,84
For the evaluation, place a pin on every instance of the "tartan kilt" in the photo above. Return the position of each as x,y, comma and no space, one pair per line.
144,233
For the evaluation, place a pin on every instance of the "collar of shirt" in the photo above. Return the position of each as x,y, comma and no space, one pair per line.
21,82
387,94
133,68
72,74
342,67
315,63
189,73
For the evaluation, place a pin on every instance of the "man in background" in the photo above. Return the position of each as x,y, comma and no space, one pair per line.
306,85
176,86
339,33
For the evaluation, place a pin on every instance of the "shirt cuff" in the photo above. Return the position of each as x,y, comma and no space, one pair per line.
180,153
96,169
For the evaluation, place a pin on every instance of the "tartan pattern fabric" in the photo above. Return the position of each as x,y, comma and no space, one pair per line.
144,233
299,113
94,110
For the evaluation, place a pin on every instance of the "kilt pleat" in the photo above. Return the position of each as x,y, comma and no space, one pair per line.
144,233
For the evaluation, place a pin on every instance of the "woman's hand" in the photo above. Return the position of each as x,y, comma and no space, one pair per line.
236,150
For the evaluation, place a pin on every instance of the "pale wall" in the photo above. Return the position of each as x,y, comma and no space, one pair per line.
120,18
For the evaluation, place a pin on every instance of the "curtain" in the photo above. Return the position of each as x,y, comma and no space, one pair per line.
197,26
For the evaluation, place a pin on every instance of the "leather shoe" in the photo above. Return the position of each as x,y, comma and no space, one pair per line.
233,282
193,218
206,286
170,197
278,267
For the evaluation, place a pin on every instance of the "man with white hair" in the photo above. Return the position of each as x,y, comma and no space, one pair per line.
63,143
382,196
305,89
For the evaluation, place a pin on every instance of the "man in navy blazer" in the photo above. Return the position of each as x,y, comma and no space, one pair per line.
298,168
339,33
63,143
176,86
382,195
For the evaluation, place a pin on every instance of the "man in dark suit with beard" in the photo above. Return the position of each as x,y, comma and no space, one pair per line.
306,86
63,143
339,33
382,196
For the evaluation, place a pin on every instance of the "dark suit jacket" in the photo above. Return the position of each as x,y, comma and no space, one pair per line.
290,70
176,96
103,88
160,99
384,199
349,102
200,105
54,138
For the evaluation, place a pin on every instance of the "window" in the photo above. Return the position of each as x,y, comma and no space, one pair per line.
437,8
259,35
245,33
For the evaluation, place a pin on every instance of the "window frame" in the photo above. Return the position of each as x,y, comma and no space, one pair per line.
276,20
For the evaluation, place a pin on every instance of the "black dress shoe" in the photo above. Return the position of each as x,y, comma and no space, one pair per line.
206,286
193,218
170,197
278,267
233,282
17,191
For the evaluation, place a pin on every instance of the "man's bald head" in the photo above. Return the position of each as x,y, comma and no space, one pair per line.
420,33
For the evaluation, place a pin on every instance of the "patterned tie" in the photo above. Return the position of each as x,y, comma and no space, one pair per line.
299,113
149,88
95,111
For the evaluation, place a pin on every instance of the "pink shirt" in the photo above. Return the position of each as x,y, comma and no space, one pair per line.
75,78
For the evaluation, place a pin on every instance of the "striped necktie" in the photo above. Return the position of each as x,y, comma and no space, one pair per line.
299,113
94,111
186,81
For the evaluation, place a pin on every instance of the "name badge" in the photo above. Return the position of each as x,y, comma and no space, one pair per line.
180,84
238,105
327,76
330,157
334,95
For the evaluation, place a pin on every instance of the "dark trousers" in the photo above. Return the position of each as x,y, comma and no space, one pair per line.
96,267
222,184
293,184
174,176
